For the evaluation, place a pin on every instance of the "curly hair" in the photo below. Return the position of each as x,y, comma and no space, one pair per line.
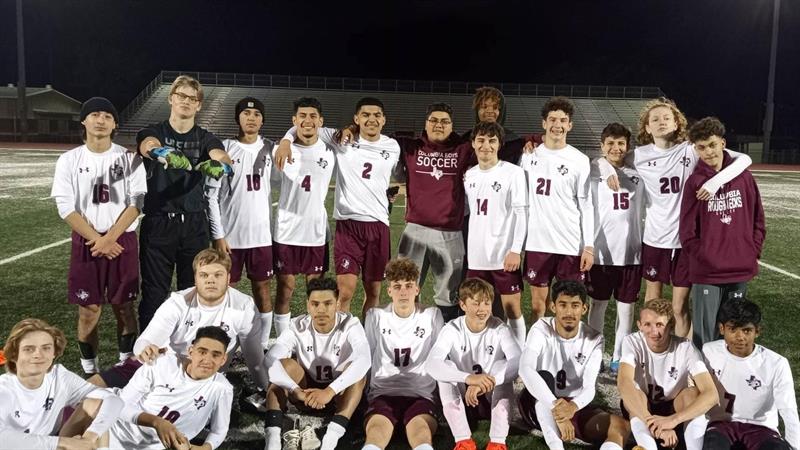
558,104
475,288
705,128
20,330
487,93
662,307
678,136
402,269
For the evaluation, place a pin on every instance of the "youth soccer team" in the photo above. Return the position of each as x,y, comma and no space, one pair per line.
483,211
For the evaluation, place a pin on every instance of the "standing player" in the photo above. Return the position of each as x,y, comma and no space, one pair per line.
327,374
36,391
617,239
99,189
559,367
239,208
497,198
653,382
301,221
664,161
169,402
722,237
755,385
400,337
561,217
475,361
175,226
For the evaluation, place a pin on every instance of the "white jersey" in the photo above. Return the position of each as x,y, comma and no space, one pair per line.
239,205
662,376
324,357
493,195
574,363
399,349
751,389
458,352
99,186
618,218
560,215
31,418
164,389
301,218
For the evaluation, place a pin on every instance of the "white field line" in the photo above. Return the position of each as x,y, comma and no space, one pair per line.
34,251
779,270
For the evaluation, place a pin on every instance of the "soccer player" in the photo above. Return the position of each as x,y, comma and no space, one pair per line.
99,189
723,236
497,197
617,239
475,361
560,240
653,382
755,385
328,372
175,227
169,402
177,321
239,208
301,221
360,207
400,337
559,366
36,391
664,161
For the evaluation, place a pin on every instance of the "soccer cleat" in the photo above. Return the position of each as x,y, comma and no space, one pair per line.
291,440
214,169
466,444
309,439
496,446
613,367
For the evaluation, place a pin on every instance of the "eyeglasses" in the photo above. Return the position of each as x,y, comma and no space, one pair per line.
181,96
445,122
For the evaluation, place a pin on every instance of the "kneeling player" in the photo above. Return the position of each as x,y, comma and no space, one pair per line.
653,382
475,358
400,337
559,367
754,383
328,373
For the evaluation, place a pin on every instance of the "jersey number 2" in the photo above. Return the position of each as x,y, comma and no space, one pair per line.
367,170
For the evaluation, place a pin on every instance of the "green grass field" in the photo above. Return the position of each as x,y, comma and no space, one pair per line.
35,285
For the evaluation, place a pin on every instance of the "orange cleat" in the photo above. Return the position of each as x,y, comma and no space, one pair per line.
2,358
466,444
496,446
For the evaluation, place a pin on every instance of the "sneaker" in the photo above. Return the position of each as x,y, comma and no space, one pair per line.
613,367
309,439
466,444
496,446
291,440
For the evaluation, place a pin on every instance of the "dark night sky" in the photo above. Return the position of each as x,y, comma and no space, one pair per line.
711,56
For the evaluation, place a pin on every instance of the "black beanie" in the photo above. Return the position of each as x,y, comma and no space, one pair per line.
248,102
96,104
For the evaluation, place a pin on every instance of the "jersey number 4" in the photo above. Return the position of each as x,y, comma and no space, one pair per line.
306,183
402,356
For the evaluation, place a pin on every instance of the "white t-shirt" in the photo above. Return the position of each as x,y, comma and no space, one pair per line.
618,218
560,214
301,218
493,195
239,205
99,186
165,389
399,349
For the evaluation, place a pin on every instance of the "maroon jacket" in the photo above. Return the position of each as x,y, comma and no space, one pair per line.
723,237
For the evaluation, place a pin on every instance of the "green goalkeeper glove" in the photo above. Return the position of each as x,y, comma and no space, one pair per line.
171,158
214,169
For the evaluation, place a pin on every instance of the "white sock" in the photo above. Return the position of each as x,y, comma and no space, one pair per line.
549,428
622,327
266,328
610,446
694,432
642,434
370,447
124,356
454,411
518,328
90,365
597,314
332,435
281,322
273,438
424,447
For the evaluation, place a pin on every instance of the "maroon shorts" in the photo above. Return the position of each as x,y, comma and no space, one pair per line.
747,435
527,409
665,265
298,259
400,408
361,247
119,375
257,260
623,282
97,280
540,268
506,283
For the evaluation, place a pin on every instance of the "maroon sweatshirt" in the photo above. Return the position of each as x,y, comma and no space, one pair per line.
723,237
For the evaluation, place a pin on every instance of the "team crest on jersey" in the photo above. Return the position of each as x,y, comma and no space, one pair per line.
726,219
82,295
225,327
686,161
490,349
337,349
345,263
48,403
437,173
117,172
580,358
635,179
531,274
385,154
419,332
200,402
279,264
83,169
322,163
497,186
673,373
651,271
754,382
563,170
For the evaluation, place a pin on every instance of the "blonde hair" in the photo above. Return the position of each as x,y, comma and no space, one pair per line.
475,288
211,256
20,330
680,133
186,80
662,307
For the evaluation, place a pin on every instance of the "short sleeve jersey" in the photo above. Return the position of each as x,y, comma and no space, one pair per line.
618,218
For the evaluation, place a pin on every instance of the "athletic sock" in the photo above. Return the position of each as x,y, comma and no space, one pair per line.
642,434
370,447
518,328
694,433
597,314
272,425
610,446
622,327
336,429
424,447
281,322
266,328
88,358
125,343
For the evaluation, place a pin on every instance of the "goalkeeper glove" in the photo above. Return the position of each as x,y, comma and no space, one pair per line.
214,169
171,158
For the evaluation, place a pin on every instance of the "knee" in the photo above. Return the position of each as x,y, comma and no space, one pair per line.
89,312
714,440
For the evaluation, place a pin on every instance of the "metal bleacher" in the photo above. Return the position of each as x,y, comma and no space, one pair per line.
405,102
